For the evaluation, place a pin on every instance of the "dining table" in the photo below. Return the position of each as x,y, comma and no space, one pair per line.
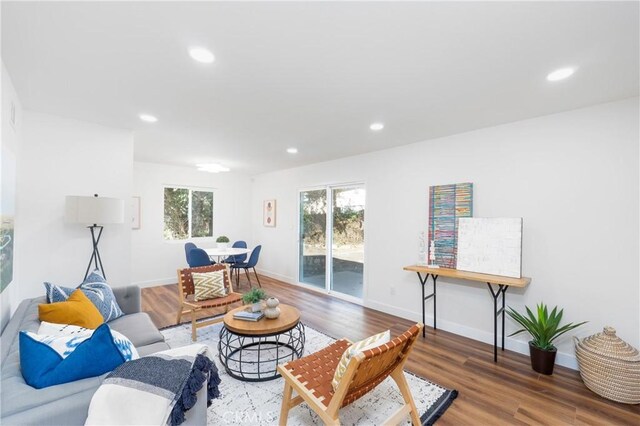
219,252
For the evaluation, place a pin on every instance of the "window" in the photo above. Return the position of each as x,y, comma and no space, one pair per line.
188,213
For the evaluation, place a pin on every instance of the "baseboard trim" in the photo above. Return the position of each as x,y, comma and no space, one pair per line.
277,276
156,283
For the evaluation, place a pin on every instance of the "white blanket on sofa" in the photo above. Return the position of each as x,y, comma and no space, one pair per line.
156,389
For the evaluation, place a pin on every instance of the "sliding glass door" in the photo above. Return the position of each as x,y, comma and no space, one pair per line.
347,242
313,237
332,227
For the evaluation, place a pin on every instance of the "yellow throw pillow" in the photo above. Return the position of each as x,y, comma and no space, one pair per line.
361,346
76,310
208,285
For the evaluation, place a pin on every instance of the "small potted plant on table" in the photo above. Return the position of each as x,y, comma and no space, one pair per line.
544,328
254,298
223,241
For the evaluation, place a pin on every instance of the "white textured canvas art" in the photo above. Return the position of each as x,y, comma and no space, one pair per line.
490,246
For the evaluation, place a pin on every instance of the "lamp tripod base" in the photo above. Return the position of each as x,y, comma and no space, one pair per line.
95,255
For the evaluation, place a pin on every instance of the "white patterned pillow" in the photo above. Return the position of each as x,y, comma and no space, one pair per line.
208,285
64,338
358,347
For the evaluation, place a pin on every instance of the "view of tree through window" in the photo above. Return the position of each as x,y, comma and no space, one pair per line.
201,214
187,213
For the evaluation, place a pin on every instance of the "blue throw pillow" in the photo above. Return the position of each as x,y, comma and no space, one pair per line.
96,289
94,277
57,293
45,361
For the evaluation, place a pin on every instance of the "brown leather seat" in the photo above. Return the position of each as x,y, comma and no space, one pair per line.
311,378
186,289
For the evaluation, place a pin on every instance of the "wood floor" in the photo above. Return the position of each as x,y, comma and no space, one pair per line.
508,392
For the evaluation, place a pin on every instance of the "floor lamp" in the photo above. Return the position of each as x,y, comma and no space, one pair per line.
95,212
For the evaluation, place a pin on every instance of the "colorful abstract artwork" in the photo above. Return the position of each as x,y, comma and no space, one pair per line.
447,203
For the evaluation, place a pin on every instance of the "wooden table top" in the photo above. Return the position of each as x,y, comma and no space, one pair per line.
472,276
289,318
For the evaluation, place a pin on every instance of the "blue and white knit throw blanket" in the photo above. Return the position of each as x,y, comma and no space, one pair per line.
155,390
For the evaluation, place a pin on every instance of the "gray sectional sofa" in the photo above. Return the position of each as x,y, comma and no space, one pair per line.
68,403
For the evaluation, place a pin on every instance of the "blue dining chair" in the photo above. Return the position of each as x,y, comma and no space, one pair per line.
239,258
187,248
198,257
251,264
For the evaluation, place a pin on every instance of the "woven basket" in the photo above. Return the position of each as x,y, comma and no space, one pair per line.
609,366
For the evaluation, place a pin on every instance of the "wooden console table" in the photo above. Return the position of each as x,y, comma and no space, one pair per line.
502,282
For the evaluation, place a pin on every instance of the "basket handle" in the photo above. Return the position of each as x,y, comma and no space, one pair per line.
575,341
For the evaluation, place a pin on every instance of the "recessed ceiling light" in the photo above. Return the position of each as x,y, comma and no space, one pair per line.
292,150
201,54
560,74
376,127
212,168
148,118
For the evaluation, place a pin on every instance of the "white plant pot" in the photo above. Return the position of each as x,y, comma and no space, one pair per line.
256,307
223,246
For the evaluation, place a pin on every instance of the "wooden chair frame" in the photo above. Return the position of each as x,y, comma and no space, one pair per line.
186,290
343,395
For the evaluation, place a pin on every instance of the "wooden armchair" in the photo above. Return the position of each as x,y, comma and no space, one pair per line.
188,305
311,378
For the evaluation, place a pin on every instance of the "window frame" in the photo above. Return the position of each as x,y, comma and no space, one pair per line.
189,210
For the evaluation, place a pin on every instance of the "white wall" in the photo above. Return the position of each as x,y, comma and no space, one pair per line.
10,142
574,179
62,157
154,260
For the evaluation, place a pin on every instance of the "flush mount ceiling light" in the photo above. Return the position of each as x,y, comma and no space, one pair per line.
292,150
202,55
213,168
560,74
148,118
376,127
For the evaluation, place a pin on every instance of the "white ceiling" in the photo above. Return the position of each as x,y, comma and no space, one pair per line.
312,75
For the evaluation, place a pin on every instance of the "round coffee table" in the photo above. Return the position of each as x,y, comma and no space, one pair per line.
251,351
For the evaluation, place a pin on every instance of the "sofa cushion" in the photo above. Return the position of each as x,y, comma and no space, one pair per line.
152,348
52,360
41,410
138,328
76,310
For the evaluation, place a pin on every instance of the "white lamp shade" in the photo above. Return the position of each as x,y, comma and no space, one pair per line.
94,210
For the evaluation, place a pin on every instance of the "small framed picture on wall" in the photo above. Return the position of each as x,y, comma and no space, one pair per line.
269,213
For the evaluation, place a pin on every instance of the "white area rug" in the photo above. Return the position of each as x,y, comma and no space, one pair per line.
258,403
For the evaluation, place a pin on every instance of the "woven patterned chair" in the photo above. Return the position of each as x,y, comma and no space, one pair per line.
311,378
188,305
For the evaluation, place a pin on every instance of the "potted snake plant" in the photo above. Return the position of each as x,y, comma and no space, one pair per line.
544,328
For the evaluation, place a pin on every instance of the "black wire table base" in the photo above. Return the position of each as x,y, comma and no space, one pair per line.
255,358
